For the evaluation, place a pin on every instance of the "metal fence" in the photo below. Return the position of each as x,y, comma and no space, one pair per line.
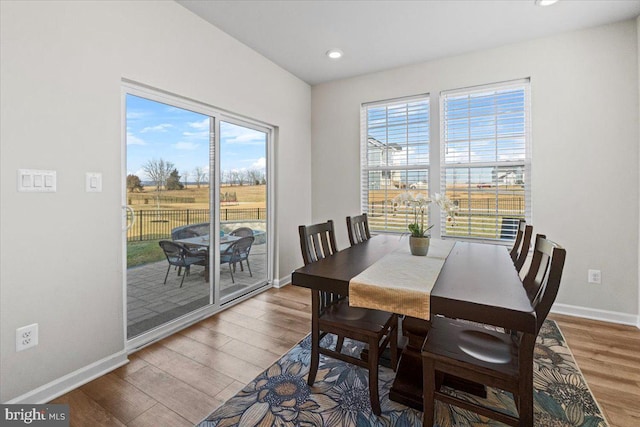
155,225
512,205
488,218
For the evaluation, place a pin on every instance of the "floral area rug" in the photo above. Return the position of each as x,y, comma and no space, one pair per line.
280,395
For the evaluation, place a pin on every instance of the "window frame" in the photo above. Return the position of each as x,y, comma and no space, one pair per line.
505,232
420,169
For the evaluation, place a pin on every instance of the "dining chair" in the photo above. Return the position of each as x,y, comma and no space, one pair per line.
236,253
180,256
490,357
520,249
358,229
331,314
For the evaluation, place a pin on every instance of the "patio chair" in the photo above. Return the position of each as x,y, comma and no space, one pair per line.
190,230
179,255
237,252
242,232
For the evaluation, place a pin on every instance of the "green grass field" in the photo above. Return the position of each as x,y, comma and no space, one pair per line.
139,253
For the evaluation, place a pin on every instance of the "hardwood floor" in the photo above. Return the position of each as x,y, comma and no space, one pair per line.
181,379
608,355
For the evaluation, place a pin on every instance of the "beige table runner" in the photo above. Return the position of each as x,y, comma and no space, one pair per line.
400,282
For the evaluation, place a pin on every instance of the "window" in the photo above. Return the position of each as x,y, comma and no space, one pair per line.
485,159
394,158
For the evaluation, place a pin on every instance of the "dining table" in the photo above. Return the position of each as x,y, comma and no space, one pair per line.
457,279
203,242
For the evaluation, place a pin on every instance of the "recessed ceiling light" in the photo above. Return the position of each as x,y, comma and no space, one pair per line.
335,53
545,2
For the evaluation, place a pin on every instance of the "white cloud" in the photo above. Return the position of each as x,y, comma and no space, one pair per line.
158,128
204,124
197,135
248,137
134,140
184,145
134,114
261,163
233,134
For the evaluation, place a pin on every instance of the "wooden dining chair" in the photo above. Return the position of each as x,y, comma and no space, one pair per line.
331,314
490,357
358,229
520,249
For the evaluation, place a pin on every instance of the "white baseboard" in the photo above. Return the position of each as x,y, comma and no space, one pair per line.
284,281
597,314
71,381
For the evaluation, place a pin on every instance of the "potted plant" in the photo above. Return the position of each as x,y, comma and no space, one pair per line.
419,238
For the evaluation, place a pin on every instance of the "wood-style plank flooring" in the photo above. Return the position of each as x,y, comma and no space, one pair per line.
181,379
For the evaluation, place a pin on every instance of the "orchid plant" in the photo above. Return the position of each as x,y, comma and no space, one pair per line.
420,203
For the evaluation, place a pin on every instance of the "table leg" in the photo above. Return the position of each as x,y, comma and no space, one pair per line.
407,387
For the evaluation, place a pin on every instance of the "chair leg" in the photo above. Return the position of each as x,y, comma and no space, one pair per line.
249,267
315,338
428,391
231,271
373,376
167,275
524,398
339,343
393,344
183,276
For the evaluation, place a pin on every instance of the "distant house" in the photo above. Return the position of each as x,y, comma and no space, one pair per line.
378,154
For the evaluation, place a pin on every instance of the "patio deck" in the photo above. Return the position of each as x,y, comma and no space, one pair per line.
151,303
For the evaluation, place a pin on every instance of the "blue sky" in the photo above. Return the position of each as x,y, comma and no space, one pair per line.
161,131
484,127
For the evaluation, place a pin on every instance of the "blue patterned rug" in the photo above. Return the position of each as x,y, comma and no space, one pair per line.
280,395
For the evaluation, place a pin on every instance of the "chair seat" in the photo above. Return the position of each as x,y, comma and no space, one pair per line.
365,320
460,343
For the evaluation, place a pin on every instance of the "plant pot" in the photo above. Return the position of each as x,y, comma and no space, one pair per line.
419,245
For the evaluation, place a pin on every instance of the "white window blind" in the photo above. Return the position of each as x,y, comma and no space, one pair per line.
486,159
394,153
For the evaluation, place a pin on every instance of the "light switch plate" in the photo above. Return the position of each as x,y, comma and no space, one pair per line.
36,181
93,182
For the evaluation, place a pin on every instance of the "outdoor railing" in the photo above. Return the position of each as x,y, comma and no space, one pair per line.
155,225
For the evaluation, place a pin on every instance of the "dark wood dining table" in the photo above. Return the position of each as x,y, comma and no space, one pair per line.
478,282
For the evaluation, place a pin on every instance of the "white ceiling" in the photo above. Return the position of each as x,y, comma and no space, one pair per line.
378,35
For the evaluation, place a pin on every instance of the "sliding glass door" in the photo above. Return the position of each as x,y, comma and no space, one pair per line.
243,208
196,197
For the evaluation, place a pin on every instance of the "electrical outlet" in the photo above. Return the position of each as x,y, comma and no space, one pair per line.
26,337
594,276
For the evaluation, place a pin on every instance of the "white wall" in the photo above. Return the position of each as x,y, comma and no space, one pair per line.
61,70
585,147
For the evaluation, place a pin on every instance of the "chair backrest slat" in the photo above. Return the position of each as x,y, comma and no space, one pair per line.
524,248
543,278
517,243
317,241
358,229
521,244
